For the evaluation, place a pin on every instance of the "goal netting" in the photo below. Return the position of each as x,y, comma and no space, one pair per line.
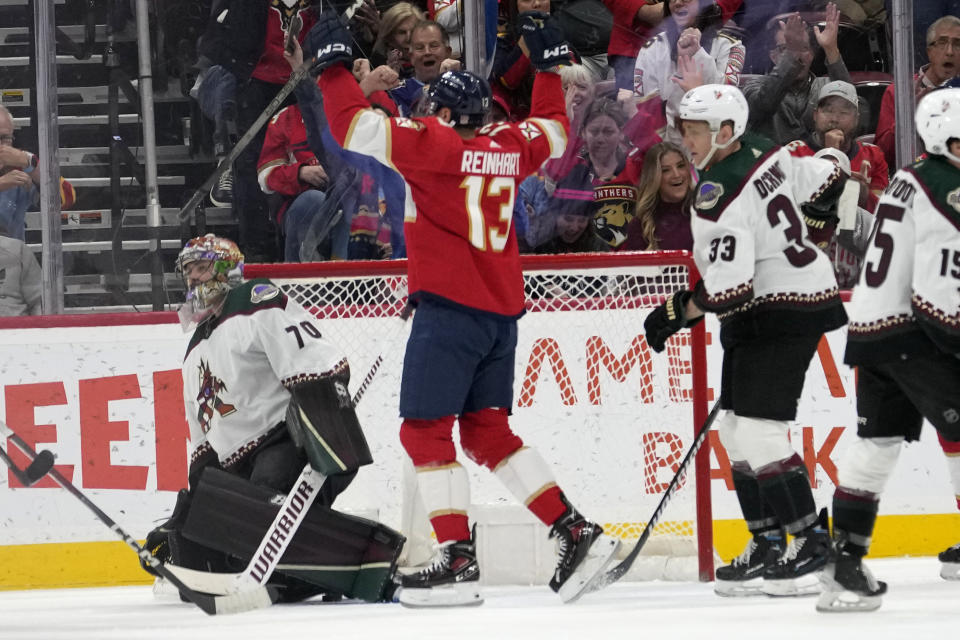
611,417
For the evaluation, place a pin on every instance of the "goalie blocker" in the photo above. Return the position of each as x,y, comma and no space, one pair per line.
321,421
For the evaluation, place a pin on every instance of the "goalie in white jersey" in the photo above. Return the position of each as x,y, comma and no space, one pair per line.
904,336
775,295
265,395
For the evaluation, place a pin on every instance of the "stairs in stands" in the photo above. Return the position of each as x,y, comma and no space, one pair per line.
106,260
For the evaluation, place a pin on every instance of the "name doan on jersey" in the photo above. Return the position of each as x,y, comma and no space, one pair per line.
490,163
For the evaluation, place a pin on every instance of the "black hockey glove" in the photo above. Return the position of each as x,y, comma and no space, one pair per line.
158,540
330,42
667,319
543,38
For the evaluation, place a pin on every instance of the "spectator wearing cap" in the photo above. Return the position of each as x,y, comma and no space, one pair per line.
835,123
782,101
943,51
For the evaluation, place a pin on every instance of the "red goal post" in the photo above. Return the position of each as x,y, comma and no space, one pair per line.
612,417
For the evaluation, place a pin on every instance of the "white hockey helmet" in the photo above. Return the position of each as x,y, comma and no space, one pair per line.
226,266
938,120
715,104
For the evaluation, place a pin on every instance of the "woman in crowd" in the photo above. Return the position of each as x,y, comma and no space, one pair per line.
393,39
662,218
692,50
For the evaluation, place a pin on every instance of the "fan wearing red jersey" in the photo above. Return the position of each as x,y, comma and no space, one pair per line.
466,282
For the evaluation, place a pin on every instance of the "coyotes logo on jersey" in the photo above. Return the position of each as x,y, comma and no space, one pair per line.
209,397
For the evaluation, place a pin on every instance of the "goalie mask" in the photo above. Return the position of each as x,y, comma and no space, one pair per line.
715,104
210,267
938,121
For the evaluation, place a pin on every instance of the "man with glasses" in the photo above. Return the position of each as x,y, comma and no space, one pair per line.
19,181
943,51
782,101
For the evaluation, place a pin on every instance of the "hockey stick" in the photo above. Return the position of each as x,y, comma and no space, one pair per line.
290,516
40,467
615,573
404,315
210,604
248,136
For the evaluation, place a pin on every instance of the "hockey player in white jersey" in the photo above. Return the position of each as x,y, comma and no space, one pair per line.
265,395
775,295
904,336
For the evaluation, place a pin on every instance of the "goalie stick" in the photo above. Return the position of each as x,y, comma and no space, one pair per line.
290,516
615,573
208,603
295,77
40,467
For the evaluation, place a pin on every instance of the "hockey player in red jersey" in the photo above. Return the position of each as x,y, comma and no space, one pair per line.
904,337
466,282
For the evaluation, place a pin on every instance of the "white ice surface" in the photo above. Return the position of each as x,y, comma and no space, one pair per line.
919,606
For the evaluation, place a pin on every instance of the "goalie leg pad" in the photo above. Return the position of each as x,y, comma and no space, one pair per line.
486,437
339,553
429,442
321,419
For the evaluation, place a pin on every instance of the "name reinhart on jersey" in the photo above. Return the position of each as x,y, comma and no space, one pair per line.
491,163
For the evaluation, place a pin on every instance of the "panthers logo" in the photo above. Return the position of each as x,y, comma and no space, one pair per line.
611,222
287,9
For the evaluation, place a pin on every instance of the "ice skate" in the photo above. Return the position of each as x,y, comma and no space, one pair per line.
848,585
585,553
744,575
796,572
950,563
451,580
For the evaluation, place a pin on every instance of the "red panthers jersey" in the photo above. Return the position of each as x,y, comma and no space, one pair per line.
285,150
865,158
461,243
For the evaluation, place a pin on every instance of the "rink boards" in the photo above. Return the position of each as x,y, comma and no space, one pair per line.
104,394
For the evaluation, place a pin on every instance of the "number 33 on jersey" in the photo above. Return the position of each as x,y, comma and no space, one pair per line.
750,241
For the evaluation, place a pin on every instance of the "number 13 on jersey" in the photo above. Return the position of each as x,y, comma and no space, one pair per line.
482,194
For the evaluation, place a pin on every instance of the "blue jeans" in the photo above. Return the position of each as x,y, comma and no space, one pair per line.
219,88
297,219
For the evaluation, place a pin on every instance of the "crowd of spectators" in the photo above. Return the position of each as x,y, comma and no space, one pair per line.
623,182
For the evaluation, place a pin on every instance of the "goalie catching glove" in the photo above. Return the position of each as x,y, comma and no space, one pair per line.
667,319
329,42
546,45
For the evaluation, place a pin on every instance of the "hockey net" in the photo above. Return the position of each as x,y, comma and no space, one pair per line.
613,418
